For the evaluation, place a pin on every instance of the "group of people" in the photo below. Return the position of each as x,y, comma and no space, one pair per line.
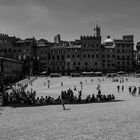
69,97
20,97
133,90
120,88
100,98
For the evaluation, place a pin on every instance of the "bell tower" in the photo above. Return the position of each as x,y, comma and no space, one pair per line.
97,31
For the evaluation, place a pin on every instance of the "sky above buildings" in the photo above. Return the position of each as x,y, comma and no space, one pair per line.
69,18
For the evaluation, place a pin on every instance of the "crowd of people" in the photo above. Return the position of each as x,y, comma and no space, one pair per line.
20,97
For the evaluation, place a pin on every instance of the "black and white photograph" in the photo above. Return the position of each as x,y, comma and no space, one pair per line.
69,70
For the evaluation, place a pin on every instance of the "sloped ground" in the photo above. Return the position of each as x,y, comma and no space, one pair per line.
96,121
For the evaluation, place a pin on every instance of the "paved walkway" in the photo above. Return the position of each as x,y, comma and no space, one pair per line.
96,121
26,81
23,83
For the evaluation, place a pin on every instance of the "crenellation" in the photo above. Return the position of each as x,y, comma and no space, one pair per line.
89,37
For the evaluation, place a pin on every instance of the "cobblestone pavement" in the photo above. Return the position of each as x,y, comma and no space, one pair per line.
96,121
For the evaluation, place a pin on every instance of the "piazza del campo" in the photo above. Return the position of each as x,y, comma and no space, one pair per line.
82,89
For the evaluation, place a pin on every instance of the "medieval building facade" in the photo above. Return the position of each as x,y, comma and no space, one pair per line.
89,53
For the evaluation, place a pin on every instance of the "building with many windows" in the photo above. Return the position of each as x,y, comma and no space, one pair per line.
88,54
41,58
124,52
108,55
138,57
10,69
24,50
91,53
73,59
117,54
85,54
56,58
6,45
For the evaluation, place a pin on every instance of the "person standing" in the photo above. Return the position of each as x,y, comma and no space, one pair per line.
61,84
48,83
75,87
79,96
98,87
99,92
130,90
139,91
63,99
122,88
118,87
99,95
44,83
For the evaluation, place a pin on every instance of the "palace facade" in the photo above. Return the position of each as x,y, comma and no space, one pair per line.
89,53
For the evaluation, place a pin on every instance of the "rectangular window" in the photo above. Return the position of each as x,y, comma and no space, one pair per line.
78,63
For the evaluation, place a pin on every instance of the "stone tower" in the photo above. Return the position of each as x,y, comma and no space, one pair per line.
97,31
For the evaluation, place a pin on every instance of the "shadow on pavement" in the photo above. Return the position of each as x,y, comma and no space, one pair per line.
34,105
